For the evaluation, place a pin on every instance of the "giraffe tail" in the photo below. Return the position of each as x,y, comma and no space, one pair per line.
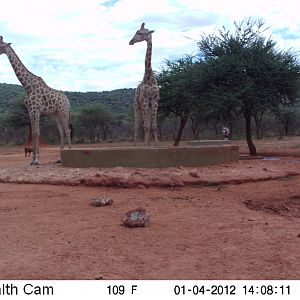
71,131
70,126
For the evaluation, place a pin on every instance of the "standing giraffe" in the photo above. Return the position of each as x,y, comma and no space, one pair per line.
40,99
147,93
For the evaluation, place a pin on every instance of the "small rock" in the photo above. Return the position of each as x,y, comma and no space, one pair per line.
265,169
118,169
292,173
266,223
136,218
101,201
139,172
99,174
298,235
194,174
141,186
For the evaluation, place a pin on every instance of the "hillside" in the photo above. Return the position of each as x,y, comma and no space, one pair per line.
117,101
9,92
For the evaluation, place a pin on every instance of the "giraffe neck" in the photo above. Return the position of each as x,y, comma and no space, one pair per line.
25,77
149,76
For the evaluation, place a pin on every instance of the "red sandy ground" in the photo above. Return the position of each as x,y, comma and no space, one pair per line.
236,221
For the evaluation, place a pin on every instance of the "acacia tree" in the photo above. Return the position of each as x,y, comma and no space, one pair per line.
96,121
17,116
177,81
247,73
17,119
287,117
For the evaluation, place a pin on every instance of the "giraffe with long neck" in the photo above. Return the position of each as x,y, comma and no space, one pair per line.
147,93
40,99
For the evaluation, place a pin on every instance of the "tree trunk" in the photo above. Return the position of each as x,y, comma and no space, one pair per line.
286,130
98,137
258,121
174,127
183,121
258,133
286,127
251,146
104,132
195,126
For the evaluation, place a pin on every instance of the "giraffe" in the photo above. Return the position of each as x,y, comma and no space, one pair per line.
40,99
147,92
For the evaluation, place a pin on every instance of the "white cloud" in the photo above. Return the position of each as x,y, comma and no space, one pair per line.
83,45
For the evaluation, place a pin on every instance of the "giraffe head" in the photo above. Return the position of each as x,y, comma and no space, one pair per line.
142,34
3,45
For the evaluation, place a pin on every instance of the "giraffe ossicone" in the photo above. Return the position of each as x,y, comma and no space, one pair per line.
40,100
147,92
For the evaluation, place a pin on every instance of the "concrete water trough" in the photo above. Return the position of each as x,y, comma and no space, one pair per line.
149,157
208,142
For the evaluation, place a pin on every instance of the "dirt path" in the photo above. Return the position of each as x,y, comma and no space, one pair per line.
228,230
52,232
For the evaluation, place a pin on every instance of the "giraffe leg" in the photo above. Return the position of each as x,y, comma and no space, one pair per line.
147,126
62,124
64,120
154,121
35,125
61,132
154,129
137,113
137,122
68,134
67,130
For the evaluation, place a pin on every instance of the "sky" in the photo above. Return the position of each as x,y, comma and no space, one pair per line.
77,45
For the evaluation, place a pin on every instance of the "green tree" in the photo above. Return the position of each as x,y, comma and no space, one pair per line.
287,115
178,95
95,121
246,72
17,116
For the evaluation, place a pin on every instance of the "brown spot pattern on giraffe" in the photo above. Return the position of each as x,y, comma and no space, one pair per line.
41,99
147,93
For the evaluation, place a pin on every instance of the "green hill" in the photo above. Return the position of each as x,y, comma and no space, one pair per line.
117,101
9,92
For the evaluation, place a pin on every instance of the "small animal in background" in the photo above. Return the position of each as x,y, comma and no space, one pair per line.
28,150
226,133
